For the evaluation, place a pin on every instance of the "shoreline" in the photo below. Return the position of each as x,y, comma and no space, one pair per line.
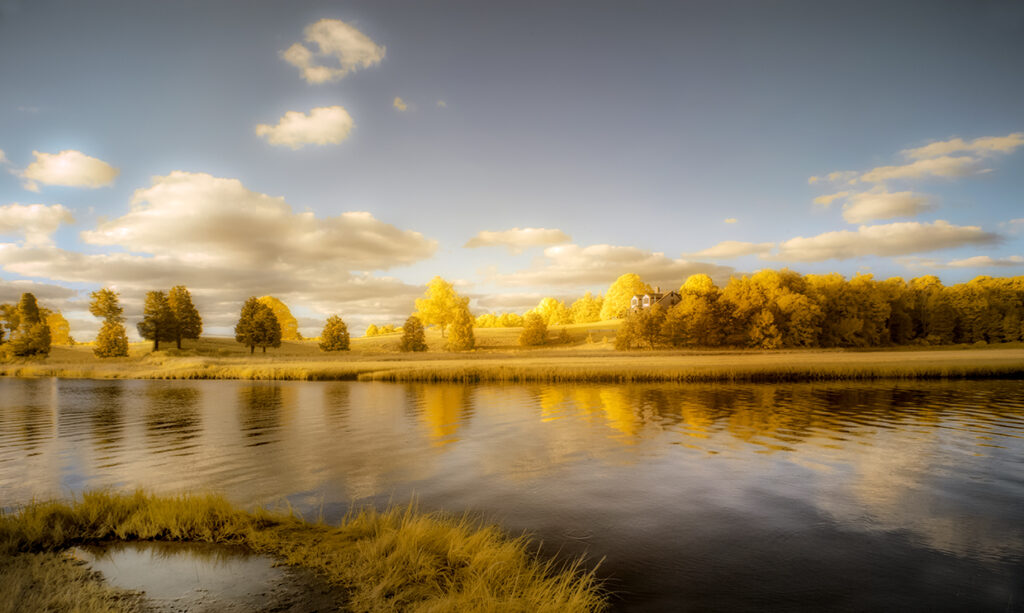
399,558
552,366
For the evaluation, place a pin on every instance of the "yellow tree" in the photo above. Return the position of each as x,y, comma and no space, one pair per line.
699,284
553,311
510,320
60,329
112,340
289,325
461,338
440,304
334,336
616,301
586,309
535,330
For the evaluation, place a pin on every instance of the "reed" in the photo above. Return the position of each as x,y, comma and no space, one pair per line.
398,559
592,364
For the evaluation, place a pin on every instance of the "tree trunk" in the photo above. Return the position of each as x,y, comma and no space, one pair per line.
252,349
156,344
179,341
264,348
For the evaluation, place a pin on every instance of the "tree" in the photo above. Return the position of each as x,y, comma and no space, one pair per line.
413,337
699,284
510,320
158,322
106,304
440,304
32,335
586,309
553,311
289,325
189,323
268,329
461,337
535,331
335,335
371,330
257,326
60,329
616,301
487,320
112,340
647,324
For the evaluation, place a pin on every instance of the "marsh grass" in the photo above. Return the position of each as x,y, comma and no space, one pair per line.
581,362
57,582
394,560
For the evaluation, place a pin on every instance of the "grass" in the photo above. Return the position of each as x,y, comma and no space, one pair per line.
56,582
393,560
589,357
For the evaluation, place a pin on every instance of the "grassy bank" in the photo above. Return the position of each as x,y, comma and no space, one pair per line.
584,362
395,560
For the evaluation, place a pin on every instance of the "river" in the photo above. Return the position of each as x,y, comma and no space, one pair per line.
864,496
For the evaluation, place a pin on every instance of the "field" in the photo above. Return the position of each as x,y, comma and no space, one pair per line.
588,356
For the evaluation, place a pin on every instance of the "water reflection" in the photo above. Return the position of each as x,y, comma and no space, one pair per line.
677,485
443,409
106,415
172,418
260,407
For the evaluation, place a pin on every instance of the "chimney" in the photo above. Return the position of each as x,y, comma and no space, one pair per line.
657,289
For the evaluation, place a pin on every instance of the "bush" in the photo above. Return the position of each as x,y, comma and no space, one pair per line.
535,331
413,337
335,335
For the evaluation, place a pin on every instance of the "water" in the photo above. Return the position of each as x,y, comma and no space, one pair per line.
208,578
880,496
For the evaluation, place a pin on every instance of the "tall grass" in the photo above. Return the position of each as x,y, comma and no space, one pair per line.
393,560
652,373
589,364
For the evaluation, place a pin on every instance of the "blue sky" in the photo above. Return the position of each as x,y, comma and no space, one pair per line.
628,132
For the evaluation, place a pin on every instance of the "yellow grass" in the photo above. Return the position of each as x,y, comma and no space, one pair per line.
499,359
395,560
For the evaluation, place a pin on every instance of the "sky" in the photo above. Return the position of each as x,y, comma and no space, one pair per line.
338,155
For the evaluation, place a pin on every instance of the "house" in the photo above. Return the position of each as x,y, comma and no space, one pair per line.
644,301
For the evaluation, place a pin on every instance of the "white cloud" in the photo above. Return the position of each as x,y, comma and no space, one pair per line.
201,218
36,222
882,240
324,125
731,220
986,145
3,157
442,104
945,166
335,41
982,261
878,205
828,199
68,168
400,104
225,243
834,177
572,266
517,239
732,249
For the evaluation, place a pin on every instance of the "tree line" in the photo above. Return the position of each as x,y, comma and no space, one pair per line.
769,309
781,308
